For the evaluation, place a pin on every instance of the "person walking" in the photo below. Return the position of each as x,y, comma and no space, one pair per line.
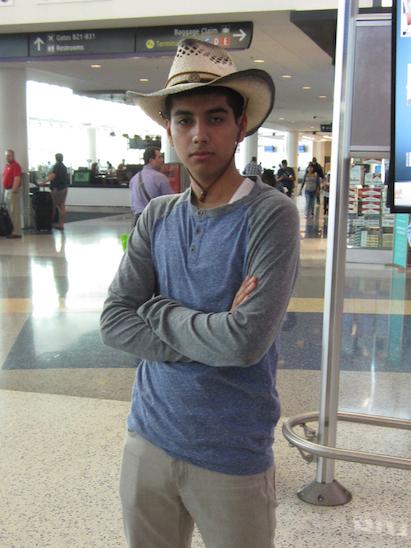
149,182
12,182
59,181
199,298
312,188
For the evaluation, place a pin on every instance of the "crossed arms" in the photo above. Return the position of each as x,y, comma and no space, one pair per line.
156,328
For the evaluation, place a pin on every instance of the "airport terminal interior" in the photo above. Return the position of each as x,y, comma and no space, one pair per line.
64,396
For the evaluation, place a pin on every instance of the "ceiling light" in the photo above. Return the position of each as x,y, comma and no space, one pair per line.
281,118
306,87
95,66
259,61
143,80
322,97
286,76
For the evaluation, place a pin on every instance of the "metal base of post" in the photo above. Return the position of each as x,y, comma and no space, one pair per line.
325,494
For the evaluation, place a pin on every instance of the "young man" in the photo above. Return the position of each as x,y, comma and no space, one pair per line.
12,192
199,297
286,176
149,182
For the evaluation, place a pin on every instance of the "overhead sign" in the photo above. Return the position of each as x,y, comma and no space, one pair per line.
13,46
121,42
165,39
326,128
400,163
82,42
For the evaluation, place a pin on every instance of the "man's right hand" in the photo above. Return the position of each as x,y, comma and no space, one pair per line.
246,288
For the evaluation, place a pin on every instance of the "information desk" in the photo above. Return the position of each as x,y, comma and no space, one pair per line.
98,195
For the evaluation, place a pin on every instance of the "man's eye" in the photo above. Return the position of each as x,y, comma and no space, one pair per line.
184,121
216,119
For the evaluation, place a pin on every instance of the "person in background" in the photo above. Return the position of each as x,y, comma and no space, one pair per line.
268,177
252,168
12,192
149,182
320,172
59,181
286,177
94,173
312,186
326,192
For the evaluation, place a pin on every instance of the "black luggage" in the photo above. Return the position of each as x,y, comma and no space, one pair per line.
6,226
42,203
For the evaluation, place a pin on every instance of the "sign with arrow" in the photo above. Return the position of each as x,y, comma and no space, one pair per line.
233,36
124,42
82,42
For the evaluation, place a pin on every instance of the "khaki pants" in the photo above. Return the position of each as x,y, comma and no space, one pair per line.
162,497
13,203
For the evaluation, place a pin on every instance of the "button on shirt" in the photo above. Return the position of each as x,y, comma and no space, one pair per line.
10,171
155,184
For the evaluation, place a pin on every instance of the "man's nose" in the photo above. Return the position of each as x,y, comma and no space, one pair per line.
200,133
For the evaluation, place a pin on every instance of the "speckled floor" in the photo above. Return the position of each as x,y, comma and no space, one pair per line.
64,396
60,469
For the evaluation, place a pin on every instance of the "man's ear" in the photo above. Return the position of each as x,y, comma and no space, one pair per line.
242,126
170,139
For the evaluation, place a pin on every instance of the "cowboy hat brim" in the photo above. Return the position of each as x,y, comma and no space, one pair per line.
256,86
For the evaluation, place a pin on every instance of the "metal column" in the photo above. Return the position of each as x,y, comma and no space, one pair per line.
325,490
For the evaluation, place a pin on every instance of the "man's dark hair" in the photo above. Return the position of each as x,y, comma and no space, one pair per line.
254,158
234,99
150,154
59,157
284,162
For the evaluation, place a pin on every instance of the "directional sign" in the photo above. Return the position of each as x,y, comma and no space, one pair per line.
82,42
326,128
13,46
165,39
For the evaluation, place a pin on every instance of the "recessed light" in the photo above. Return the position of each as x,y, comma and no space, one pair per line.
259,61
306,87
143,80
281,118
95,66
322,97
286,76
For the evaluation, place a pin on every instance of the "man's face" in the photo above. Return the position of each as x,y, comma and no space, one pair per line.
204,133
9,156
158,161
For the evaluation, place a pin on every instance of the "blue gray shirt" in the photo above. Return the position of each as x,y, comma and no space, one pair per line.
205,389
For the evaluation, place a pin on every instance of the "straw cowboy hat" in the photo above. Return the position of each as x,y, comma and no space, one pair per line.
199,64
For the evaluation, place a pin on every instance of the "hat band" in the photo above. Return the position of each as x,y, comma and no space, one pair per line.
191,77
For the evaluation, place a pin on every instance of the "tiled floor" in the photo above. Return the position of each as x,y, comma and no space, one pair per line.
64,396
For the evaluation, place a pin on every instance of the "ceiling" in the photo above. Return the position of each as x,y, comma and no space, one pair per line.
285,48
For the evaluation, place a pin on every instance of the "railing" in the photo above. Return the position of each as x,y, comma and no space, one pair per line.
309,445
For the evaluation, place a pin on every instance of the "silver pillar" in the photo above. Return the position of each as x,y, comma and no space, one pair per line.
325,490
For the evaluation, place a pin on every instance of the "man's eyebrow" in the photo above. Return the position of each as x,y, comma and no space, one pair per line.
215,110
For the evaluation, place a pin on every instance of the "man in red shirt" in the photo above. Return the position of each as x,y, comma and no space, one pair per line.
12,192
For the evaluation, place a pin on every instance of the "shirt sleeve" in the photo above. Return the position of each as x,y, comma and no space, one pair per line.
241,338
134,284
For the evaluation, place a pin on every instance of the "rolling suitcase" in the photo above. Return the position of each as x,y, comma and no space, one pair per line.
42,203
6,226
